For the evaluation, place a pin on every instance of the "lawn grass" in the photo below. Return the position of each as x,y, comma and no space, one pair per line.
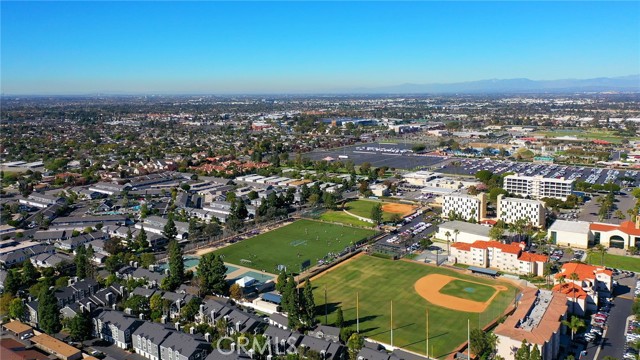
292,244
363,208
343,218
378,281
615,261
468,290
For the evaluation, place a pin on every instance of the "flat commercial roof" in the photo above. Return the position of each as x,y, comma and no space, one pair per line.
581,227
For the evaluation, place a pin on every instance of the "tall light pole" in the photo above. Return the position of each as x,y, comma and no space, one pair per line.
357,312
427,348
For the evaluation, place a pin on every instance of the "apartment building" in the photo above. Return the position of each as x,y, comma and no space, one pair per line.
537,319
538,187
511,210
465,206
504,257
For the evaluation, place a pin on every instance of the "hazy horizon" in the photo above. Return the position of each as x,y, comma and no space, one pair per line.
79,48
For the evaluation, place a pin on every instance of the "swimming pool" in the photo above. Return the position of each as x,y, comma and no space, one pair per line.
189,262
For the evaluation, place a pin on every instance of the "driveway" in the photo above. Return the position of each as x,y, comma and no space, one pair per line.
112,350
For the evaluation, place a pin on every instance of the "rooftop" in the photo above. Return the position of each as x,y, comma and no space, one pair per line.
581,227
53,345
537,318
466,227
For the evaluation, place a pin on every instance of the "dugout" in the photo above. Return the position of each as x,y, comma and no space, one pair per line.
483,271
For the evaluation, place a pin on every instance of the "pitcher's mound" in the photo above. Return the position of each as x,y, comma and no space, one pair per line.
429,288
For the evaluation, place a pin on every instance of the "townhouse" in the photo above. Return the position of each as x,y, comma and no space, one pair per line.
115,327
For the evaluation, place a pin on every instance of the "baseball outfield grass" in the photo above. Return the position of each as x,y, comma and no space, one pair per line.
377,282
469,290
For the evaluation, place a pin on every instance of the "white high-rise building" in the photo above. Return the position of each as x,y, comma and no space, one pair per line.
465,206
538,187
511,210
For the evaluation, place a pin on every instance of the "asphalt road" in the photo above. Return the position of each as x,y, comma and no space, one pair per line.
612,344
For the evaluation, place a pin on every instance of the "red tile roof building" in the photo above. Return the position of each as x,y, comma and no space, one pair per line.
504,257
591,283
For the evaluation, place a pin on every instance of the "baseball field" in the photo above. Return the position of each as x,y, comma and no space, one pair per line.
450,297
363,208
292,244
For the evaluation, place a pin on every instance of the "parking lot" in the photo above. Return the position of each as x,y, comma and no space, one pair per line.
613,341
400,156
578,173
589,211
397,156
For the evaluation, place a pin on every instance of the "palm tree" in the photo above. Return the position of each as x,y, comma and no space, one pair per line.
631,214
456,232
574,323
574,277
448,235
599,248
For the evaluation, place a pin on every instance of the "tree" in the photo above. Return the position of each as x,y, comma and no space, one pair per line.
376,213
82,263
138,305
212,229
281,282
574,324
80,327
29,273
211,273
478,342
309,302
48,311
17,309
496,233
291,302
235,291
12,282
176,267
147,259
190,309
599,248
484,175
339,318
524,352
141,240
535,353
170,231
354,345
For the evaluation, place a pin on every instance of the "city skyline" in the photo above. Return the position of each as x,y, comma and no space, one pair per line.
307,47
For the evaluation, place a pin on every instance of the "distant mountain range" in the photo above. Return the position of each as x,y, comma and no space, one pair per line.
630,83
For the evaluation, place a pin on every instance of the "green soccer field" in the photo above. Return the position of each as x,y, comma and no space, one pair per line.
471,291
377,282
292,244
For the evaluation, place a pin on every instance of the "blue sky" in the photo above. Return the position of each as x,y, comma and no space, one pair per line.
252,47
